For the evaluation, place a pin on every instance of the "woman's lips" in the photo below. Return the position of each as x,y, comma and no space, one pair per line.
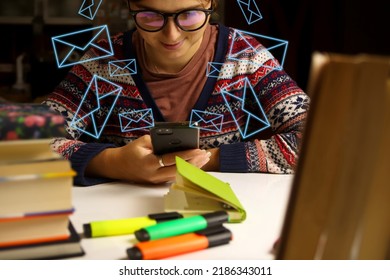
172,47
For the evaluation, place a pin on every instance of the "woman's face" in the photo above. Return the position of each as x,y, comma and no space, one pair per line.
171,43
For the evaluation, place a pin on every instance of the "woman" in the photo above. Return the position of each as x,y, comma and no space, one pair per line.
173,44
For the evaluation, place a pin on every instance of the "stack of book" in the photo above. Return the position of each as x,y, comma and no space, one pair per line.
35,186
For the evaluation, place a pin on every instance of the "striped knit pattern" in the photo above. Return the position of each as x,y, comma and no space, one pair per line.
283,102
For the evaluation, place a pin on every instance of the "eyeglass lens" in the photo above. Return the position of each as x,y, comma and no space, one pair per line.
187,20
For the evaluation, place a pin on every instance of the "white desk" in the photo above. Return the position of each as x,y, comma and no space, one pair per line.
264,197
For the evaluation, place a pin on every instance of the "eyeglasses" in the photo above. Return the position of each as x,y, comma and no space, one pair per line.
187,20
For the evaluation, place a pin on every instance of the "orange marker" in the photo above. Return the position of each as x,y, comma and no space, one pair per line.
181,244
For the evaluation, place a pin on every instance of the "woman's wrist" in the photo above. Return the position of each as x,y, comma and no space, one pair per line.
104,164
213,164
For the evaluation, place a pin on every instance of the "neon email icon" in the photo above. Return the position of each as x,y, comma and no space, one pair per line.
137,119
206,121
89,8
103,94
250,10
125,67
66,46
249,43
249,115
213,69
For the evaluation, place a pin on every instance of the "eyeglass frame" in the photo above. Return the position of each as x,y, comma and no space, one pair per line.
165,16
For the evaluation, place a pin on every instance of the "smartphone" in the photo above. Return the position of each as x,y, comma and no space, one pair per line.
168,137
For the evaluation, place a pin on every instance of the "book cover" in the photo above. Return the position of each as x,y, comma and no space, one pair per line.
340,193
67,248
29,121
196,191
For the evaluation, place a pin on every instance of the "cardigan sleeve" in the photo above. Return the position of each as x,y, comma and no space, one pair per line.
282,101
80,160
285,106
77,147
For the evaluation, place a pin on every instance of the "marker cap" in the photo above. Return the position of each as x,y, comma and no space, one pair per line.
162,217
87,230
217,235
134,253
142,235
216,218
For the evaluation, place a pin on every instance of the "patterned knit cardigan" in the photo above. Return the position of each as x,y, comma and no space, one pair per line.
247,77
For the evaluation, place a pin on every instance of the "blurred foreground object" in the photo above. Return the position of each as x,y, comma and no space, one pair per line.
340,202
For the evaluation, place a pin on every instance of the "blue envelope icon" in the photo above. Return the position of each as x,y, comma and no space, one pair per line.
66,48
213,69
89,8
250,10
249,115
206,120
104,95
263,54
125,67
135,120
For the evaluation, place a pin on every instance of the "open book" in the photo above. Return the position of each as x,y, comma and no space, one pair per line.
196,192
339,205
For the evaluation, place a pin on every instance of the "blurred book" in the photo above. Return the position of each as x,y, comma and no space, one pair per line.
35,187
195,192
66,248
339,206
29,121
26,151
26,131
36,228
35,182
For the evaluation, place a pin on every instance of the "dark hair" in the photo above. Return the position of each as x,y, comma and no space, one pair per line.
215,2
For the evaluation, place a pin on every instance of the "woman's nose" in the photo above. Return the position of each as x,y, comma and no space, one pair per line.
171,30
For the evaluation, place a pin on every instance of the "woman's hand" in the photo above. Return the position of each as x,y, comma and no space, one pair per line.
136,162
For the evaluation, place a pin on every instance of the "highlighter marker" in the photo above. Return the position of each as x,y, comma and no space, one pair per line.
126,226
181,244
181,226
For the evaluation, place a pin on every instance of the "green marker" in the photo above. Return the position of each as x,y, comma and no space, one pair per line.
127,225
181,226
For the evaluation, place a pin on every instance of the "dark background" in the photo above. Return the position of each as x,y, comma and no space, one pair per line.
342,26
